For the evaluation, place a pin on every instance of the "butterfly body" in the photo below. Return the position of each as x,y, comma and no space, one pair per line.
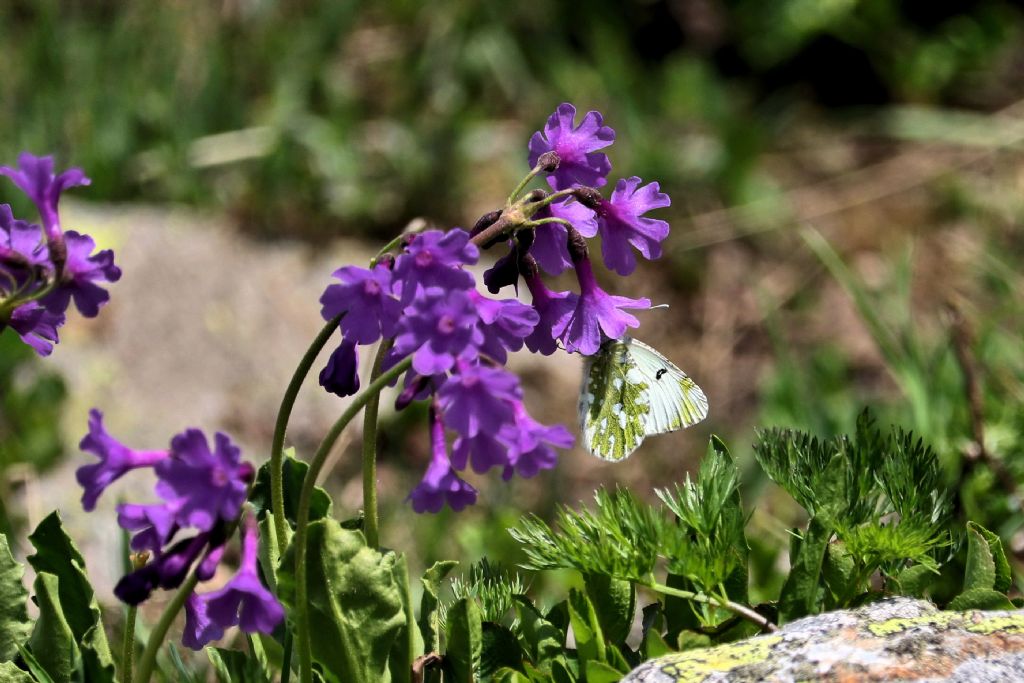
630,392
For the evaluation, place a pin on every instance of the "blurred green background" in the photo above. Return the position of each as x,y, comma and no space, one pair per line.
893,128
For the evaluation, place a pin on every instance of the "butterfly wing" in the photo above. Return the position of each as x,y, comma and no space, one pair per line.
675,400
613,407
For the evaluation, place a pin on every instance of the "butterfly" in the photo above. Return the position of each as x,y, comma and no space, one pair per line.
630,392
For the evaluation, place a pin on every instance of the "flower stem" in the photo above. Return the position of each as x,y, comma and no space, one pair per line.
542,221
128,646
281,426
159,632
523,183
371,521
302,515
387,247
725,604
550,199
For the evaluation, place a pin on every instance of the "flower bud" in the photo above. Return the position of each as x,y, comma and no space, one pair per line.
485,222
588,197
549,161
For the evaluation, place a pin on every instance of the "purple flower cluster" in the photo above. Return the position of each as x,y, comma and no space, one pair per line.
43,268
457,339
202,492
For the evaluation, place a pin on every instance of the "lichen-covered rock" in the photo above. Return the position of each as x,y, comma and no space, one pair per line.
897,639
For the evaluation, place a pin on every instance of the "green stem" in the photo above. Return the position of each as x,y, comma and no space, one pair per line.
542,221
550,199
302,515
159,632
281,426
729,605
371,522
128,647
522,184
286,657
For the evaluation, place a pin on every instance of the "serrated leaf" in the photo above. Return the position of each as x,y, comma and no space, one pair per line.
10,673
1003,576
802,591
53,643
654,645
464,641
499,648
293,471
14,622
544,640
429,619
599,672
355,605
56,554
980,598
980,572
614,601
586,628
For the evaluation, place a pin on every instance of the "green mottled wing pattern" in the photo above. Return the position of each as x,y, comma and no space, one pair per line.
613,403
629,392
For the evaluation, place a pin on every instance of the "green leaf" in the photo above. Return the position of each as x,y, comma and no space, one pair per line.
10,673
544,640
679,612
56,554
53,642
499,648
839,571
294,471
429,621
801,592
464,641
691,640
14,622
355,605
507,675
585,626
1003,576
614,601
980,598
654,645
598,672
560,672
915,581
980,572
37,670
408,644
235,666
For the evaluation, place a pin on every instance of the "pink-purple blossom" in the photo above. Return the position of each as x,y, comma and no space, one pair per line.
439,329
366,299
440,483
621,223
552,308
82,271
504,324
478,397
36,178
550,245
116,459
434,259
579,161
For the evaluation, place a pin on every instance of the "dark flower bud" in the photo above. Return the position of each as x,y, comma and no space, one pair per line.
504,272
577,245
588,197
549,161
484,222
387,260
535,195
524,240
412,390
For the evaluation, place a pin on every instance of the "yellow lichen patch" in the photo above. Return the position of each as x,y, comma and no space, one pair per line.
1004,623
891,626
697,665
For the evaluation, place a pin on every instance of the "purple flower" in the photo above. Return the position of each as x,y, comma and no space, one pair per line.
580,163
550,244
596,315
622,224
35,177
36,326
533,444
433,259
82,270
199,628
153,525
438,329
203,486
244,600
167,569
482,452
24,255
366,299
440,484
115,460
478,398
341,375
552,307
504,325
